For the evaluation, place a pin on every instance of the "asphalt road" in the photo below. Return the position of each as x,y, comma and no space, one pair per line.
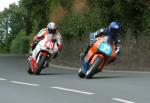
62,85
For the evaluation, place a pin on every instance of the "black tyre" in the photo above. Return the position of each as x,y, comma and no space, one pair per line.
81,74
93,68
29,70
40,65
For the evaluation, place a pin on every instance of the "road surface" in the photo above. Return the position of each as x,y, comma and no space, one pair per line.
62,85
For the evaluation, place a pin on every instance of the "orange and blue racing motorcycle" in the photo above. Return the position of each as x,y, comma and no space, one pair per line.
99,53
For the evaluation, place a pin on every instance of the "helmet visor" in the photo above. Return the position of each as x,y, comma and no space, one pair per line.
52,31
115,30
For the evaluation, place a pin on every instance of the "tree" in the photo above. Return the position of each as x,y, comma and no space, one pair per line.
12,22
20,45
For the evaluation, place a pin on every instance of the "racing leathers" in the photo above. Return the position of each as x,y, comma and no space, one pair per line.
109,36
44,34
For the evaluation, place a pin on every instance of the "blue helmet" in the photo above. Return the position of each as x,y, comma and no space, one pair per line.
114,27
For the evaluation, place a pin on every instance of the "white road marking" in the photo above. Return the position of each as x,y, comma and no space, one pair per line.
72,90
2,79
122,100
64,67
16,82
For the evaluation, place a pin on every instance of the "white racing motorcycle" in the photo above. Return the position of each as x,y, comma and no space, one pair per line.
44,51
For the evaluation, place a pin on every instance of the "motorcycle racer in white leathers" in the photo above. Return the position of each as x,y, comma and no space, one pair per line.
50,33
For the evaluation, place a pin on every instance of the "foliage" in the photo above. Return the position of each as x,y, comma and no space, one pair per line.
37,12
12,21
20,44
32,15
76,25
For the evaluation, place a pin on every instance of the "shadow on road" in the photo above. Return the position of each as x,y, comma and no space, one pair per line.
46,74
110,77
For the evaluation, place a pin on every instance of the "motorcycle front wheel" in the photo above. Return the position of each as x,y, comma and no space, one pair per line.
81,74
93,68
29,70
40,65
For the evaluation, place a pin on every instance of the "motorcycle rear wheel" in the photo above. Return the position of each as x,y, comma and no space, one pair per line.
93,68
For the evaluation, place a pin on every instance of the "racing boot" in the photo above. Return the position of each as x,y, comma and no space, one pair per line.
83,54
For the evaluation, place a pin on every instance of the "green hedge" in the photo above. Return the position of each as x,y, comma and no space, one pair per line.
20,45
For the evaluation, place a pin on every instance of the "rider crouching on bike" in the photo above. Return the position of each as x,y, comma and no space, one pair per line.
52,33
110,33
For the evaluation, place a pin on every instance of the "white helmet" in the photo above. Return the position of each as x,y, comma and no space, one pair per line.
52,27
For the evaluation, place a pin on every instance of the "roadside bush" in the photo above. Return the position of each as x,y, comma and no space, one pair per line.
20,45
76,25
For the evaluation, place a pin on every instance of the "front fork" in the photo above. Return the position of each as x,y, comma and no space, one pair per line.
103,61
34,63
46,62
